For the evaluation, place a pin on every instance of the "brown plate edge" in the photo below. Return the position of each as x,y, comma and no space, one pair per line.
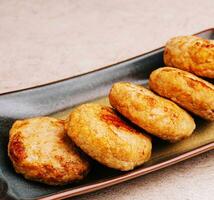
95,70
130,175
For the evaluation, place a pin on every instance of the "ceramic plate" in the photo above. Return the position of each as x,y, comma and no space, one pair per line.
58,98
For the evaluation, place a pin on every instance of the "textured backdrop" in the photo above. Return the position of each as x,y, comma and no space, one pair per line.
43,41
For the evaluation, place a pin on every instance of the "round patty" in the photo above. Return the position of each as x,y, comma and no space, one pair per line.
40,150
186,89
192,54
155,114
107,138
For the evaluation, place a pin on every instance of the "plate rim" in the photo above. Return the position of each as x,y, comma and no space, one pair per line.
97,185
95,70
130,175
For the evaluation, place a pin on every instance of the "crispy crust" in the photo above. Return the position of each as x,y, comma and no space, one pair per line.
187,90
155,114
192,54
40,150
107,138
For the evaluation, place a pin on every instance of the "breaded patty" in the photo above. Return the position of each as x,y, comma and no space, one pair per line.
40,150
155,114
192,54
107,138
186,89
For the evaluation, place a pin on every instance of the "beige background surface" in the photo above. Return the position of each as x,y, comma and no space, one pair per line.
43,41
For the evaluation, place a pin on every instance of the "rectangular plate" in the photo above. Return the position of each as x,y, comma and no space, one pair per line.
58,98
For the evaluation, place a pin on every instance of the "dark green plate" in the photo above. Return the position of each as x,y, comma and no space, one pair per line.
58,97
